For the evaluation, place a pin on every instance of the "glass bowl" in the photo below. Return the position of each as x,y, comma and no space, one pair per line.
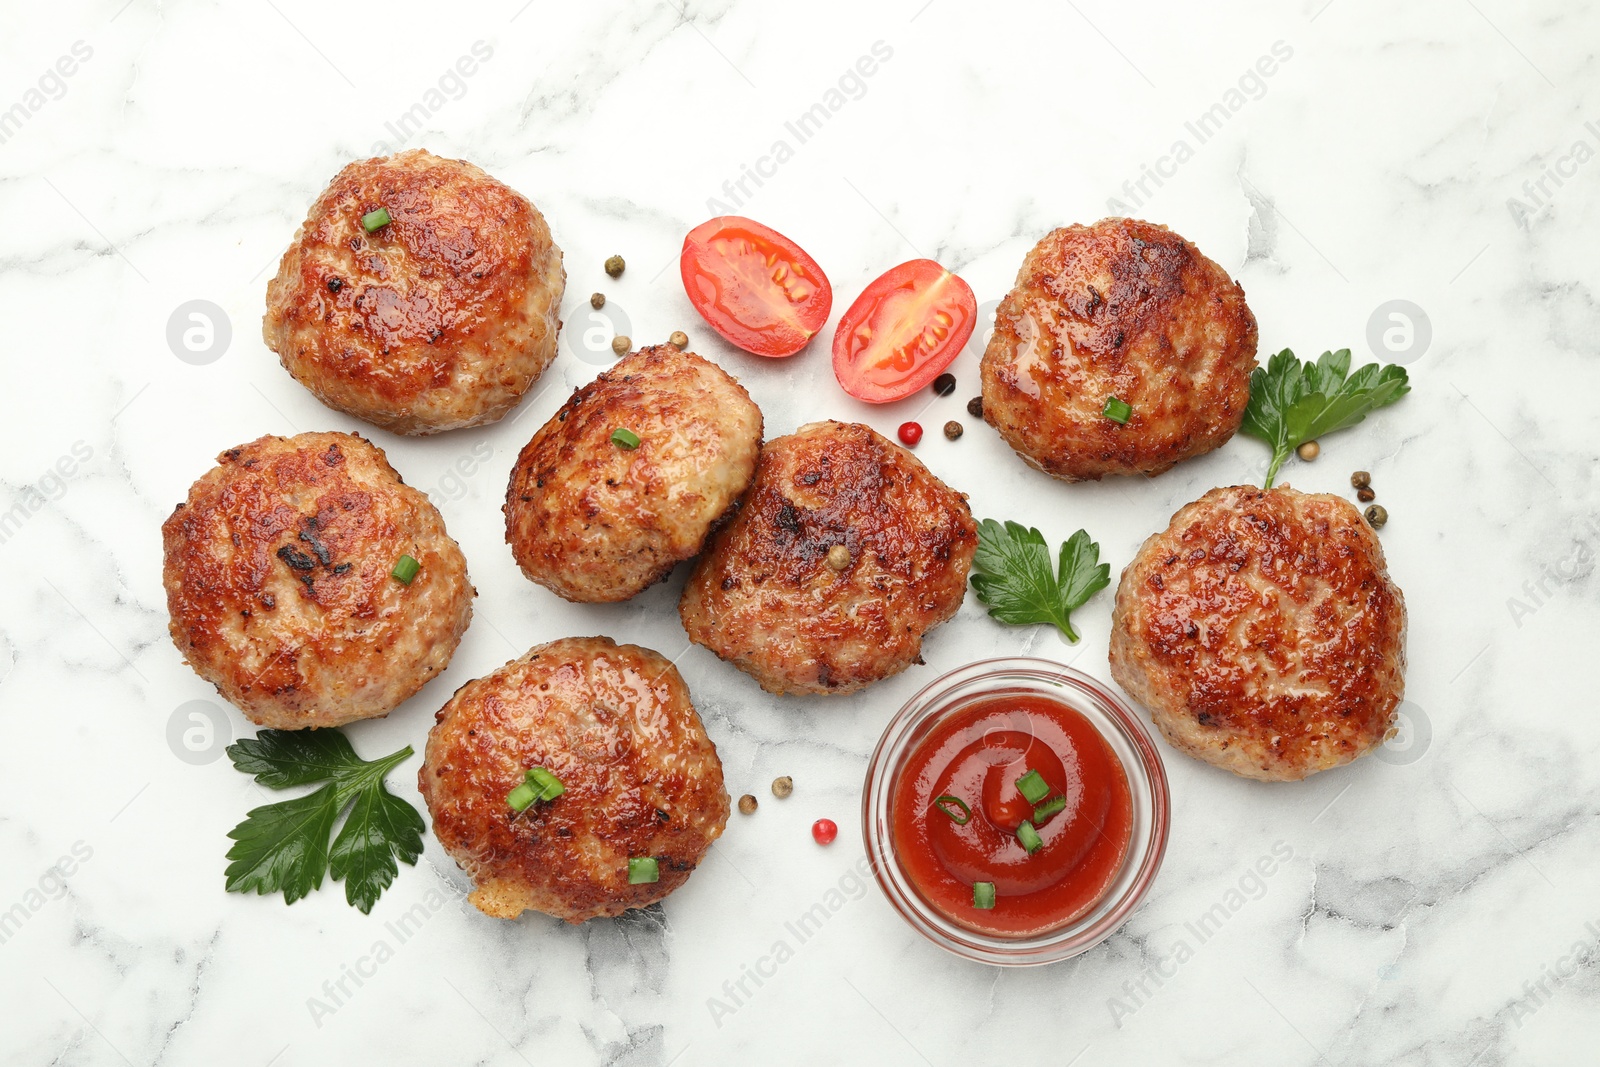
1122,730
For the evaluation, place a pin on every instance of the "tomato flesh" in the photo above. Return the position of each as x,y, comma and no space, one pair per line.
754,286
902,331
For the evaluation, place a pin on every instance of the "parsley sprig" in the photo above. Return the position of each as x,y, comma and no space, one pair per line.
284,847
1293,402
1013,577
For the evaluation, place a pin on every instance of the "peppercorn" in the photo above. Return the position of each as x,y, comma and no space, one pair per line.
1309,451
615,266
747,805
621,344
953,429
679,338
944,384
1360,479
975,407
1365,495
782,787
597,301
1376,516
838,557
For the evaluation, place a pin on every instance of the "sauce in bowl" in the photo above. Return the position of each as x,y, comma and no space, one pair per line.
958,813
1015,811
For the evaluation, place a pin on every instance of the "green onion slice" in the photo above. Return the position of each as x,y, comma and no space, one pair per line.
548,785
1117,411
624,438
643,869
1041,812
947,804
1029,837
1032,786
405,569
375,220
523,797
983,895
537,786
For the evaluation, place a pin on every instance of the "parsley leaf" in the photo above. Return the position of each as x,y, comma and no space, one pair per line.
1293,402
1013,577
284,847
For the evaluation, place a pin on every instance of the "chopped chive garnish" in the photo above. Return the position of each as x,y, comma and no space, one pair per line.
983,895
547,784
1033,787
1029,837
538,785
375,220
405,569
643,869
1041,812
948,804
624,438
523,797
1117,410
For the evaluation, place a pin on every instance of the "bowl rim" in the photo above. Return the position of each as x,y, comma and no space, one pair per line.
1148,787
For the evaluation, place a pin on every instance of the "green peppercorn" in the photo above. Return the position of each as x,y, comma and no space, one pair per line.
615,266
1376,516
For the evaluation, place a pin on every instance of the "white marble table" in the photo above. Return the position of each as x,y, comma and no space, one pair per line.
1435,906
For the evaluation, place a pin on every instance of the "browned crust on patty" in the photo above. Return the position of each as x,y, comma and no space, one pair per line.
1122,308
277,571
764,598
1263,633
615,724
439,320
595,522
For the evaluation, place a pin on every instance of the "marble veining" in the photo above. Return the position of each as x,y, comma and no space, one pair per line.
1432,906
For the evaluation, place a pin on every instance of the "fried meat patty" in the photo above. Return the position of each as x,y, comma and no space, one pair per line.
595,521
437,320
764,596
1122,309
1262,632
278,577
614,724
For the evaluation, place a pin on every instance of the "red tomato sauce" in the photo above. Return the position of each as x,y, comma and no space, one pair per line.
977,755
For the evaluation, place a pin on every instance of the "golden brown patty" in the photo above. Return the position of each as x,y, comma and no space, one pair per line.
1263,633
594,521
765,598
614,724
278,582
1124,309
438,320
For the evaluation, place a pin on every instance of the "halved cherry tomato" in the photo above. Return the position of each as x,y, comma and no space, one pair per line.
902,331
755,287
